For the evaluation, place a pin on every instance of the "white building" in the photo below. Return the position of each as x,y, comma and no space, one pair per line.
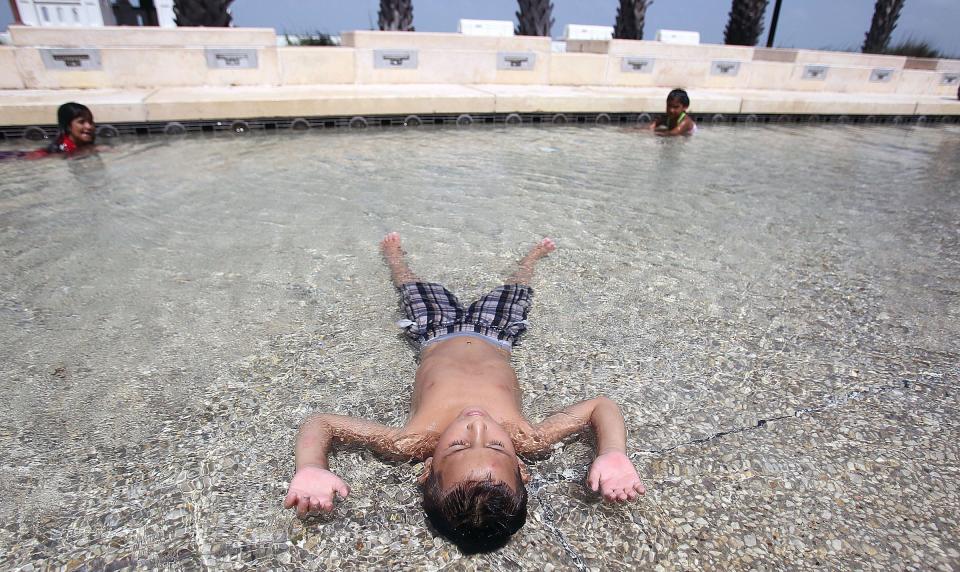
94,12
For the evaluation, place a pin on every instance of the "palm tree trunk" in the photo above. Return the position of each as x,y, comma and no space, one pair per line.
396,15
885,16
630,19
535,17
746,22
213,13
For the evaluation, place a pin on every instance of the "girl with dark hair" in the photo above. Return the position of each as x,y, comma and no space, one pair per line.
77,134
77,130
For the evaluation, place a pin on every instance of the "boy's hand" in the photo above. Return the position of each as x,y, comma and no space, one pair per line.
312,489
614,476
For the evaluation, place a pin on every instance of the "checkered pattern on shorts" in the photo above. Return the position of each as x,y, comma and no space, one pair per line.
435,311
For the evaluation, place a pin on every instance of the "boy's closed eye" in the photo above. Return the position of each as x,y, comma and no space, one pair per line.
496,445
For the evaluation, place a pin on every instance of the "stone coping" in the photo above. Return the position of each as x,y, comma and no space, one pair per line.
443,41
38,107
133,36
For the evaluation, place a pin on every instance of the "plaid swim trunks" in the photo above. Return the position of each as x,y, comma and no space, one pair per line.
434,311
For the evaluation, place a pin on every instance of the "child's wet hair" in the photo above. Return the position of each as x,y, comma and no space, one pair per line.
69,111
477,516
679,95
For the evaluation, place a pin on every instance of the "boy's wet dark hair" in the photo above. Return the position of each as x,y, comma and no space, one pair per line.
70,111
679,95
477,516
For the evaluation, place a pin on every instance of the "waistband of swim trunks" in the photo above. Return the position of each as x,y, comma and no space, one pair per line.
475,328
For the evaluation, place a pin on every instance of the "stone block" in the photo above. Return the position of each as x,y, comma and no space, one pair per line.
438,41
927,64
9,72
774,55
316,65
948,65
619,74
938,106
826,103
738,74
39,107
849,59
578,69
767,74
916,82
433,66
588,46
683,73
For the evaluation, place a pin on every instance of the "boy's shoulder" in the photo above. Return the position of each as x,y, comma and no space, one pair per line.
414,443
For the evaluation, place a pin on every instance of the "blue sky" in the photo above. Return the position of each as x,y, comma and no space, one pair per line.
815,24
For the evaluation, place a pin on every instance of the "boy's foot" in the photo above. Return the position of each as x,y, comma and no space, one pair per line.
541,249
524,272
400,273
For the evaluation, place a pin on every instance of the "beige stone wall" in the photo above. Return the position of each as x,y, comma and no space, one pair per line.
9,72
156,57
163,75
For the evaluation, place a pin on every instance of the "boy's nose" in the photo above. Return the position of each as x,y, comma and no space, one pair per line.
477,428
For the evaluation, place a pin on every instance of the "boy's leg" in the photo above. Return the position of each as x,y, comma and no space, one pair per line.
400,273
430,308
503,311
524,272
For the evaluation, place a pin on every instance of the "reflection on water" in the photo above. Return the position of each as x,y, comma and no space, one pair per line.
170,310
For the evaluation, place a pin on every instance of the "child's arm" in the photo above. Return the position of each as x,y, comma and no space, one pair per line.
313,486
611,473
682,128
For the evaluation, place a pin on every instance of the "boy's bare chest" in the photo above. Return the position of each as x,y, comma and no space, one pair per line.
448,383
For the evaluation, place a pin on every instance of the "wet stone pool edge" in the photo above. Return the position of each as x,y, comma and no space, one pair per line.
459,120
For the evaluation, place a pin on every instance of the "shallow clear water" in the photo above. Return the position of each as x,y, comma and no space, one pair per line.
170,311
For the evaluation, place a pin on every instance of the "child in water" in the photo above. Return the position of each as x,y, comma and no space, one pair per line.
465,420
77,133
676,121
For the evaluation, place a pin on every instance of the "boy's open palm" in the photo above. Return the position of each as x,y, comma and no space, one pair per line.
312,489
613,475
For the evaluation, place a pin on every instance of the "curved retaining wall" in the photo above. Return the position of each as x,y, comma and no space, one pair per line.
153,75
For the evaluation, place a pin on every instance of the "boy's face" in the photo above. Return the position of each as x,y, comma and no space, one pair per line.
475,447
675,108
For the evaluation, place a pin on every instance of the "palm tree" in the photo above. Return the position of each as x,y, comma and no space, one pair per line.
396,15
885,15
534,17
630,17
213,13
746,22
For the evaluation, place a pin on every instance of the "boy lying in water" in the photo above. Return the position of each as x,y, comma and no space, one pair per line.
465,420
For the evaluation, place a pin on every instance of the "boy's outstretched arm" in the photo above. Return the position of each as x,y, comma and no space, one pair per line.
611,473
313,486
